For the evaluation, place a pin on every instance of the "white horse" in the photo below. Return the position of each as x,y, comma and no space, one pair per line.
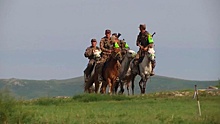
97,56
145,68
125,64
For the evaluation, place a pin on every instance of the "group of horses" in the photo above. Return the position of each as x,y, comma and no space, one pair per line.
117,72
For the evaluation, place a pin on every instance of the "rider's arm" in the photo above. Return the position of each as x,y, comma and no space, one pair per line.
102,46
138,42
88,52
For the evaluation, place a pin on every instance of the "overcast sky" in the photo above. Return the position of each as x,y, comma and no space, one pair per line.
46,39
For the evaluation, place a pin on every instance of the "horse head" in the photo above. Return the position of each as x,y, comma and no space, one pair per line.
151,54
116,54
145,64
131,54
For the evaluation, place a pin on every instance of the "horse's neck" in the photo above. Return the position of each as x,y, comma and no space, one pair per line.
125,64
145,62
113,62
93,70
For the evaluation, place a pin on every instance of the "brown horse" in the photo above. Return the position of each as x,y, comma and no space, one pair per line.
110,73
111,70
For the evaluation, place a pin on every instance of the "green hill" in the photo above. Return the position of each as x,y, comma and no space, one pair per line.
29,89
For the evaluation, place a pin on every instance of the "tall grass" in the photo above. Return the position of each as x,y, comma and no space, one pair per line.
11,110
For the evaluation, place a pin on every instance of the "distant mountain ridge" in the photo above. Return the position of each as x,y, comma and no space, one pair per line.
29,89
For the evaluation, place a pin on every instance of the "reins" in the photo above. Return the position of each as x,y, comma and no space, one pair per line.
118,53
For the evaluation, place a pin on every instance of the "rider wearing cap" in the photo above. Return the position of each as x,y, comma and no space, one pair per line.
144,41
89,54
106,47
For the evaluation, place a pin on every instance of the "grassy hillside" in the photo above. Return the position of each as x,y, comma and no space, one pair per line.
48,88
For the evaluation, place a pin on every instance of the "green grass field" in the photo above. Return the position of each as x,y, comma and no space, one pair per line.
156,108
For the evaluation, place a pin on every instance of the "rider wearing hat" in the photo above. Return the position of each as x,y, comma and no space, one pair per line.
89,54
106,47
144,41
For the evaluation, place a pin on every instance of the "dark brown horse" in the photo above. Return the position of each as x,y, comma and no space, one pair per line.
111,70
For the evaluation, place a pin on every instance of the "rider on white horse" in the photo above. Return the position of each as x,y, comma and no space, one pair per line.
144,41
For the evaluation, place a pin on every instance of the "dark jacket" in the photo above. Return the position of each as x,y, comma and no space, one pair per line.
142,39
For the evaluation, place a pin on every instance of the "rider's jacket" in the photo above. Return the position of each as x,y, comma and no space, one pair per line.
89,52
105,45
143,39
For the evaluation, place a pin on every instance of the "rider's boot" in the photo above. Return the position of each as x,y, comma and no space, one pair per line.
153,66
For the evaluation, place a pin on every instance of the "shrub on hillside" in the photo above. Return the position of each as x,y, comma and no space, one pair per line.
11,110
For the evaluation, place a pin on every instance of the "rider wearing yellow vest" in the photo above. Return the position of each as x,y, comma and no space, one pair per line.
144,41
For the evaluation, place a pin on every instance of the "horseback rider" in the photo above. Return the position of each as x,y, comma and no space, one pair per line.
144,41
89,53
106,47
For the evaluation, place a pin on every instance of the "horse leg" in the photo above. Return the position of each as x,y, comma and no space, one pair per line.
100,85
96,83
103,88
96,86
128,85
144,84
110,86
141,87
108,82
114,89
88,84
116,85
144,87
121,87
132,83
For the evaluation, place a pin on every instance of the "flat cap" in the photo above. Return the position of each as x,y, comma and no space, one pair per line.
107,31
93,40
143,26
